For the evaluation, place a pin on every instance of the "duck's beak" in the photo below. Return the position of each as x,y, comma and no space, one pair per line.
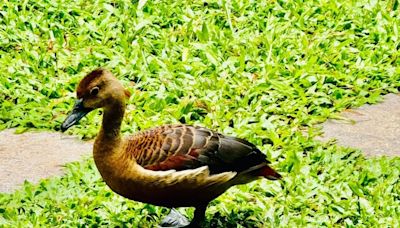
77,113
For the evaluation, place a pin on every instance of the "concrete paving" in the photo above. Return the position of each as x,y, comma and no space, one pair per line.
375,129
35,155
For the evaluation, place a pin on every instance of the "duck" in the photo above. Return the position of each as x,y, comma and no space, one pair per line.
174,165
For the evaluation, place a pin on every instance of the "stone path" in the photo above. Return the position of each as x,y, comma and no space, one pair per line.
35,155
375,129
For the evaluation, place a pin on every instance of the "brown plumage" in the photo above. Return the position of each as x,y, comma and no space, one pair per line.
181,147
171,165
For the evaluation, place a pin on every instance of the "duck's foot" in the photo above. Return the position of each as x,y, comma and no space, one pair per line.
174,219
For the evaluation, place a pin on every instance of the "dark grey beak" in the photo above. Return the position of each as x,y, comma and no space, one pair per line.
77,113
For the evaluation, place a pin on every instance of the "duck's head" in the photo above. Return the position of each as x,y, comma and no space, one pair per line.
98,89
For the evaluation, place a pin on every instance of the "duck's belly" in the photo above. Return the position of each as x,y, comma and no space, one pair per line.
163,188
174,196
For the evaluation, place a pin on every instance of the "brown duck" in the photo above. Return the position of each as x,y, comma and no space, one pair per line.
171,165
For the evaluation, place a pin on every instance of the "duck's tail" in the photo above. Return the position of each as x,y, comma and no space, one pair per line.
269,173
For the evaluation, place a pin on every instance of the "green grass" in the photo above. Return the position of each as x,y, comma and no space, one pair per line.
267,71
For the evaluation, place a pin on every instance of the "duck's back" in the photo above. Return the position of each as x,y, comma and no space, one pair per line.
183,147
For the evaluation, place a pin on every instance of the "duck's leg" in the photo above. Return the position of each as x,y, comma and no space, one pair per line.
174,219
199,216
177,220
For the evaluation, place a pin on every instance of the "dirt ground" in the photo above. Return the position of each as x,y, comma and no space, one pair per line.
375,129
35,155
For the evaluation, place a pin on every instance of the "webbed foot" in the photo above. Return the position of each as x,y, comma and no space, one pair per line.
174,219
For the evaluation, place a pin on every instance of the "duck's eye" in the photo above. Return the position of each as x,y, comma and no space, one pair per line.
94,91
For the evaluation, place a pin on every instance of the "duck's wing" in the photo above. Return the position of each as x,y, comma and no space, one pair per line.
184,147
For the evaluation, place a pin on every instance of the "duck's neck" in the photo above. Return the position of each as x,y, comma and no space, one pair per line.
109,137
112,120
108,151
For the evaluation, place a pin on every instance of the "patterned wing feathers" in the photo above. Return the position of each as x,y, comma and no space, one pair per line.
182,147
